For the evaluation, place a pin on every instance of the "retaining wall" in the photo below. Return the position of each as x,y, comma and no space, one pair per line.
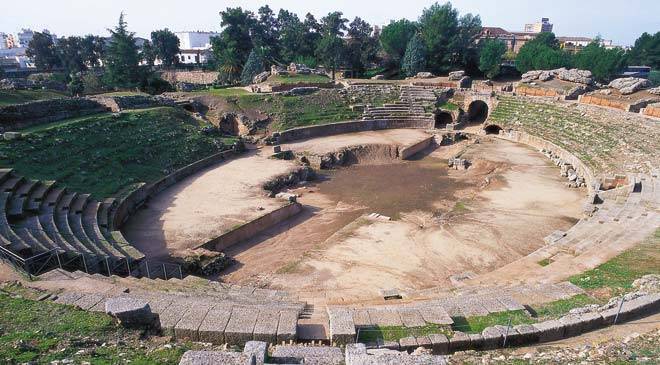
119,103
408,151
540,143
287,87
24,115
136,198
191,77
349,127
253,227
652,110
595,100
533,91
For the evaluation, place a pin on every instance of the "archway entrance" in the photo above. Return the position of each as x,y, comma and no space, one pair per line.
442,119
493,129
477,112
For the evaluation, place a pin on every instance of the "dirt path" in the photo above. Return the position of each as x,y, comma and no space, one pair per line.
447,223
205,205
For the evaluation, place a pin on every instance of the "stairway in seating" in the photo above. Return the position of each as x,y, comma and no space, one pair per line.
409,107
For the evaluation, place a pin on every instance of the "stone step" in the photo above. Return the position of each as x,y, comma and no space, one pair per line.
16,244
18,200
39,195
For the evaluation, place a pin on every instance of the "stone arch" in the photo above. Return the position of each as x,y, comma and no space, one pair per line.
477,112
492,129
442,118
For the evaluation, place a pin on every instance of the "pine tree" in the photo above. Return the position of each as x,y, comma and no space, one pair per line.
414,60
122,58
252,68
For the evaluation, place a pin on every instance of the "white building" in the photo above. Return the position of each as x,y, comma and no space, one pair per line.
5,40
195,40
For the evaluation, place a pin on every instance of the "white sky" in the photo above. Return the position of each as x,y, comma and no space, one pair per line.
621,21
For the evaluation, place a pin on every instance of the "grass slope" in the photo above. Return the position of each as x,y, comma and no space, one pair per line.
9,97
298,79
104,154
41,332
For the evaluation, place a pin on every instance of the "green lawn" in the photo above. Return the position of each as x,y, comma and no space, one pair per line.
41,332
618,273
228,91
395,333
104,154
448,106
477,324
298,79
560,307
9,97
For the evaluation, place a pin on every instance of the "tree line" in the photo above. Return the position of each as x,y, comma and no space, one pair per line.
439,41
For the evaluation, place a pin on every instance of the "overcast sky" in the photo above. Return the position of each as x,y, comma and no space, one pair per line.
621,21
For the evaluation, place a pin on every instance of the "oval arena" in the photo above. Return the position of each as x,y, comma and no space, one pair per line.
411,219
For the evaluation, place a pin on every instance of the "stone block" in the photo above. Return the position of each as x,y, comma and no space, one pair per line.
424,341
287,327
476,341
67,298
526,334
277,149
577,324
216,357
408,343
385,317
9,136
257,349
240,326
492,338
171,315
131,312
411,318
266,327
435,315
633,309
459,341
212,328
296,354
552,330
342,327
88,301
188,325
439,343
361,318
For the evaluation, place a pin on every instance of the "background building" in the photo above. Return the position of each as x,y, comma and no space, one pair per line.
542,26
195,40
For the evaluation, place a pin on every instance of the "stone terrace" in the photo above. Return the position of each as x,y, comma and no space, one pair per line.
607,141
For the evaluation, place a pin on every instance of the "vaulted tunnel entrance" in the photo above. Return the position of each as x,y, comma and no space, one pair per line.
477,112
493,129
442,119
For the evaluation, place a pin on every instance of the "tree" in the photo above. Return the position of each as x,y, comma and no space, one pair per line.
292,36
646,51
491,57
70,52
252,68
438,26
76,86
361,47
312,36
166,46
41,50
331,46
232,48
603,63
92,50
265,34
148,53
122,59
395,37
542,53
465,48
414,60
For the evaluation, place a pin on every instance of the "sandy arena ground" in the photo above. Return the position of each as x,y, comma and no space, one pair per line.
398,137
447,223
205,205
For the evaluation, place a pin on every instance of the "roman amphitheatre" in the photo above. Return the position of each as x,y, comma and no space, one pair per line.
410,212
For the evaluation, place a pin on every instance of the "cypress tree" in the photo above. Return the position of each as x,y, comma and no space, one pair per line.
122,59
414,60
252,68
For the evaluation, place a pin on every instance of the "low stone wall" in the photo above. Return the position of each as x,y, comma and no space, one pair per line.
287,87
409,151
533,91
652,110
449,84
190,77
349,127
24,115
136,198
350,155
253,227
541,144
600,101
119,103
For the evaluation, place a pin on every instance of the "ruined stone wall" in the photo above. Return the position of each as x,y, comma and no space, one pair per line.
600,101
24,115
190,77
253,227
541,144
652,110
136,198
350,127
119,103
533,91
287,87
350,155
408,151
